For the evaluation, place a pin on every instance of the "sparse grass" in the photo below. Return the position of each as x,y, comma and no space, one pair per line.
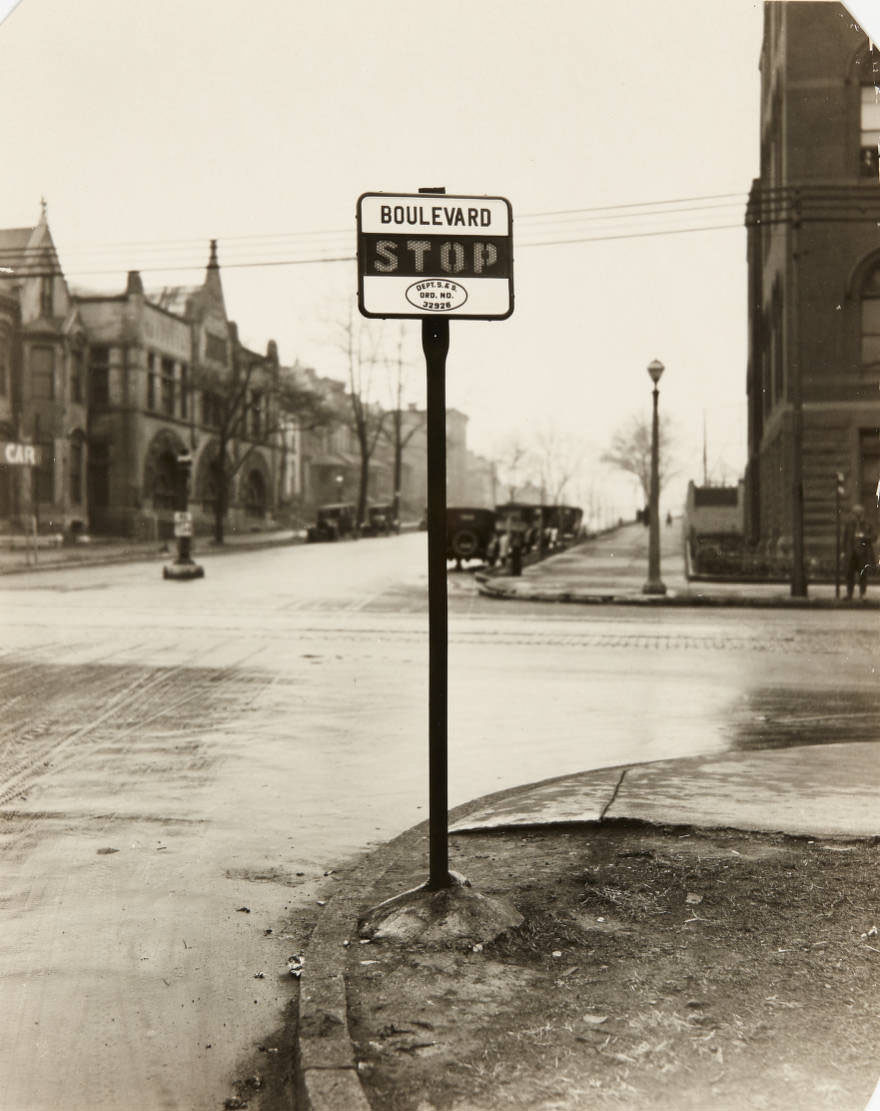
723,969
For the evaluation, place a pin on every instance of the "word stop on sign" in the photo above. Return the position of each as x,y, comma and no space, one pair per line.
411,256
419,255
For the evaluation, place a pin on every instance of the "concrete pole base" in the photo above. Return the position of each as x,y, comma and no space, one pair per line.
183,571
455,915
654,586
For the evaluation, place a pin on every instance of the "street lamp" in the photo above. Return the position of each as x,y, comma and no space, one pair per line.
654,585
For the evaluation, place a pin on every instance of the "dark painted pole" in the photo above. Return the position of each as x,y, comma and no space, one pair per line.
798,568
654,584
838,494
435,344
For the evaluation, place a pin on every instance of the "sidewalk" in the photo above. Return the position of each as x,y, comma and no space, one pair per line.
670,911
613,569
98,552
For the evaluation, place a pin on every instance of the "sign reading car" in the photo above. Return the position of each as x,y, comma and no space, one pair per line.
19,455
422,254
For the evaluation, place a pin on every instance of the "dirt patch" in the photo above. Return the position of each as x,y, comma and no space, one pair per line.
656,968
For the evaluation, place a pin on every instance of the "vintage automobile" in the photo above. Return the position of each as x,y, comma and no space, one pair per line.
470,534
333,522
380,520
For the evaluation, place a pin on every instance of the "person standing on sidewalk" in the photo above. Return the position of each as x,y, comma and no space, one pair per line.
858,548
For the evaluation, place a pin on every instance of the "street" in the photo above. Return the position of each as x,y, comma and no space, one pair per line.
173,753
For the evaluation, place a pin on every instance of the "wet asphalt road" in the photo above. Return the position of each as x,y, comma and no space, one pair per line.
172,752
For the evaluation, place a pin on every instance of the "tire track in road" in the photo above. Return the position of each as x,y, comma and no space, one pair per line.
130,704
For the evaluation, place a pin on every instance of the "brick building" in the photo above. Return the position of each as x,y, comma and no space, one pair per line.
813,224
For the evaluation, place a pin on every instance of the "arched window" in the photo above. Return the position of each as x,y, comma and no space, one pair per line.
869,162
870,318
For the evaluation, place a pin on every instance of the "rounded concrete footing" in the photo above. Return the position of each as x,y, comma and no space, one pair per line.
455,914
183,571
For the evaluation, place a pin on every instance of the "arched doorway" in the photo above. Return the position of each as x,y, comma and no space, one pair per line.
159,491
254,494
165,481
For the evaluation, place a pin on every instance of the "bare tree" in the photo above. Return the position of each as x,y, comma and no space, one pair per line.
630,451
558,457
360,346
247,407
514,459
394,430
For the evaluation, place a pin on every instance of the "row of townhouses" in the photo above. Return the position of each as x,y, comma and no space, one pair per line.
104,393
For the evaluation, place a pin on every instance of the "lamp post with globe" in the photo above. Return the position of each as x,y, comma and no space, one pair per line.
654,584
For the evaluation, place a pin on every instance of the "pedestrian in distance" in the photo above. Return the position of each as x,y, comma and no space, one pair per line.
858,548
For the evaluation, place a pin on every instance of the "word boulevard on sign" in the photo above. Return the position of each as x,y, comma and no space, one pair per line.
421,254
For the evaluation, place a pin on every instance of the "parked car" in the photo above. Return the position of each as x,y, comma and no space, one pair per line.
470,534
333,522
380,520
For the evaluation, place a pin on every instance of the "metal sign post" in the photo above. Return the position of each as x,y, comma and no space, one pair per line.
435,344
434,256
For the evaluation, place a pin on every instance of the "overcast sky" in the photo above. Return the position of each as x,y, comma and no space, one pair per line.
151,128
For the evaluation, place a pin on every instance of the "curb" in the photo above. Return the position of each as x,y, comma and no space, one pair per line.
325,1067
152,556
134,556
490,589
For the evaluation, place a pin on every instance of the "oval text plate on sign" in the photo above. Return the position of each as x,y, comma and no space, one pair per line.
436,295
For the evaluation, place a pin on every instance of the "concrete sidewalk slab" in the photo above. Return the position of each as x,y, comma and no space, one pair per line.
574,798
815,790
611,569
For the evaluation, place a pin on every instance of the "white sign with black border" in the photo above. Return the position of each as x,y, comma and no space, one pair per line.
426,254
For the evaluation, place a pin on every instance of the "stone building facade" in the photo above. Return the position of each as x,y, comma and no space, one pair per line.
169,377
43,389
113,389
813,224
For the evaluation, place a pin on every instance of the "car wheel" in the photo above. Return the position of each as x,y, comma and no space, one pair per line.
465,544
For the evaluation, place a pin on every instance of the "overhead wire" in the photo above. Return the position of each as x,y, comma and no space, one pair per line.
631,220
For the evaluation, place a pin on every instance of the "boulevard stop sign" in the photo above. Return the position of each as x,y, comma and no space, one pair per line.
424,254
